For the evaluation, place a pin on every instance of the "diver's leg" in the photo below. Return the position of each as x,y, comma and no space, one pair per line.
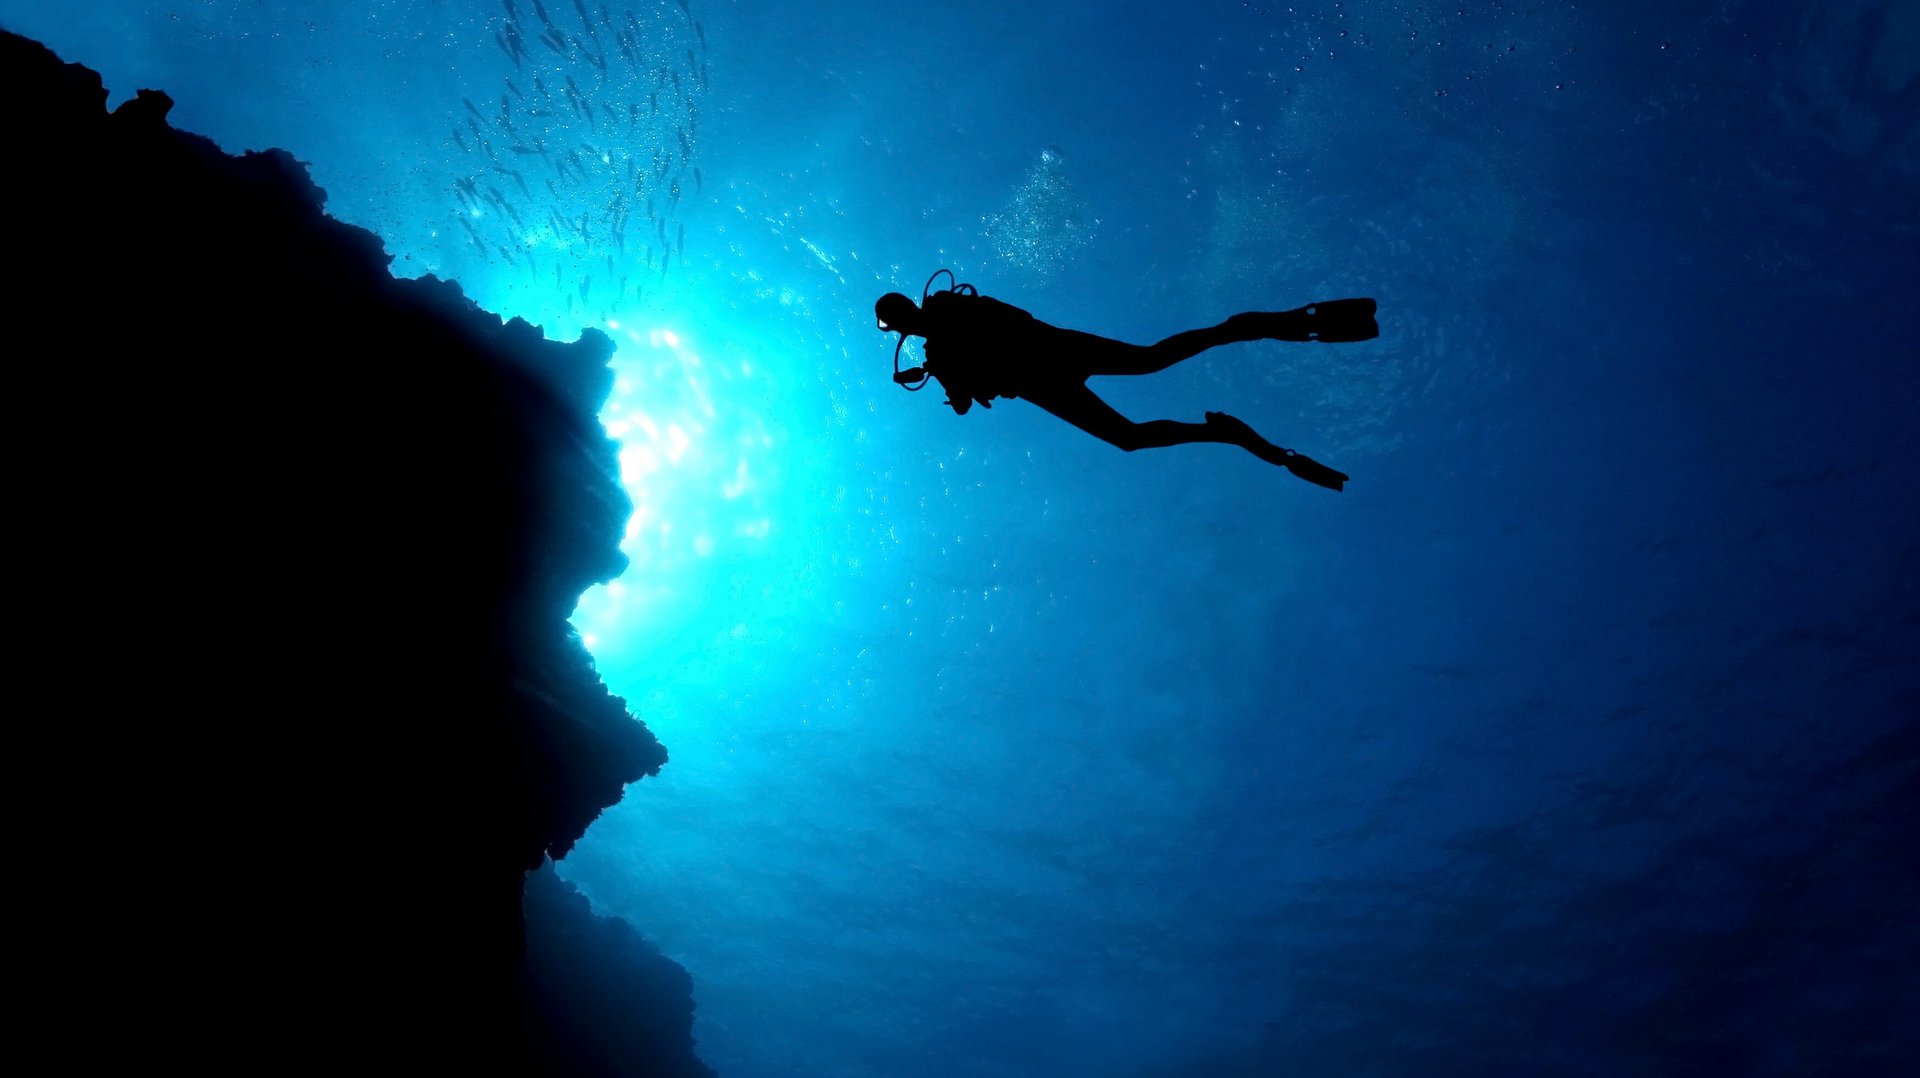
1092,355
1083,408
1332,320
1237,432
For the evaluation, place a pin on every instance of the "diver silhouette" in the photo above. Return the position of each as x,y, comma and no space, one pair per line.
979,348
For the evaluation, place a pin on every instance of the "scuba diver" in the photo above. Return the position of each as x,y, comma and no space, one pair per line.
979,348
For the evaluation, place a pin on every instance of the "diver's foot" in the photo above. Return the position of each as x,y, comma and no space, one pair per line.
1300,465
1335,320
1238,433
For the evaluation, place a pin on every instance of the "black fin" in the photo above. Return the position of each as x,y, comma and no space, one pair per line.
1315,472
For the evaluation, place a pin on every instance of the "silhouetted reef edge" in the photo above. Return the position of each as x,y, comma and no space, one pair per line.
302,709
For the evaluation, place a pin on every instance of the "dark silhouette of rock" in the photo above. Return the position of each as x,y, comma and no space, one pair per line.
294,544
599,995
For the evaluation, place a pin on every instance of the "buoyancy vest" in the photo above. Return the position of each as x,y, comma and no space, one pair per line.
977,346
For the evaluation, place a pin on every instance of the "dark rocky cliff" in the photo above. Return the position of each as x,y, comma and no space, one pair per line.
296,543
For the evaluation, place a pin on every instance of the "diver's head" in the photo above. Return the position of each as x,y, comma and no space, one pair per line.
897,313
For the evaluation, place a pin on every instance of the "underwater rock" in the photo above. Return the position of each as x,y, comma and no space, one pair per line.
602,999
299,542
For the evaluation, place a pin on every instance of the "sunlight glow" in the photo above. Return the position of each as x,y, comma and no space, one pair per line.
697,457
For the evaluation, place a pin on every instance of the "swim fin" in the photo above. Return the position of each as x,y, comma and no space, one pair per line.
1343,320
1334,320
1313,471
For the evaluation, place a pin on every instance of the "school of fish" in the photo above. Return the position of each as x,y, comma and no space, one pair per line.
575,176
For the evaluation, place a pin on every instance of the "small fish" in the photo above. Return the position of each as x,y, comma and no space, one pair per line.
556,46
471,107
473,235
696,179
511,13
461,142
516,90
700,32
542,12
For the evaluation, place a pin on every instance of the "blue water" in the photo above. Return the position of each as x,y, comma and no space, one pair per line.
1578,736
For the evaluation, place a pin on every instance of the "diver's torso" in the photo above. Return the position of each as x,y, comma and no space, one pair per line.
984,347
